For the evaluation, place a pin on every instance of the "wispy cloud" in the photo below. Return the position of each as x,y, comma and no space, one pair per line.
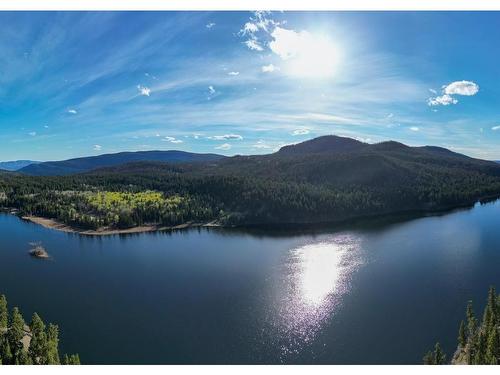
254,45
301,131
226,137
269,68
143,90
172,140
210,25
97,148
496,128
414,128
261,144
224,147
233,73
32,134
442,100
72,111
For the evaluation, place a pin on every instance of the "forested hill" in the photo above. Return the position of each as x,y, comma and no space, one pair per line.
327,179
15,164
84,164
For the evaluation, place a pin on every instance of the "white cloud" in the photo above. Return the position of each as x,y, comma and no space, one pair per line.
226,137
433,91
467,88
496,127
32,134
72,111
269,68
301,131
233,73
261,145
249,28
442,100
143,90
212,92
97,147
414,129
172,140
224,146
287,43
253,45
390,115
46,126
464,88
210,25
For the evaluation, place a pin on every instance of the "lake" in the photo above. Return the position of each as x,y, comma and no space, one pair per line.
374,292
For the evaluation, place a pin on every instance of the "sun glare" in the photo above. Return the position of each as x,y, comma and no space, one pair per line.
318,58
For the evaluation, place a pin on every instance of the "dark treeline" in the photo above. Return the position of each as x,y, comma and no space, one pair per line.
478,340
277,188
33,344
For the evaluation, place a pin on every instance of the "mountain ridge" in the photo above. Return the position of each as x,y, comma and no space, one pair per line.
87,163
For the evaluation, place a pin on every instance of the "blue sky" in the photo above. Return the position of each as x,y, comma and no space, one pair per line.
87,83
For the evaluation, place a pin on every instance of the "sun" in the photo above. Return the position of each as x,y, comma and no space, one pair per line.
306,55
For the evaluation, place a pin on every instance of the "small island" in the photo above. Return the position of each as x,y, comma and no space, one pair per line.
38,251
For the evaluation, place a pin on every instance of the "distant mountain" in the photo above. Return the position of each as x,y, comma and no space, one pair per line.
85,164
16,164
327,144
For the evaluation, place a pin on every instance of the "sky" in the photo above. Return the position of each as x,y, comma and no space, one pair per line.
86,83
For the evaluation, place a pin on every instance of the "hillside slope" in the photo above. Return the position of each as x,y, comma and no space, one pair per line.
84,164
16,164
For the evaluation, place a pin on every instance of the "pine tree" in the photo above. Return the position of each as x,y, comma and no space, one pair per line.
4,314
53,345
429,358
73,359
462,337
38,346
439,356
5,352
493,347
480,355
16,333
471,320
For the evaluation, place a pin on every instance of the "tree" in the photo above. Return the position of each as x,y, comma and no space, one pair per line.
493,347
429,358
439,356
5,352
43,347
462,337
15,334
471,320
38,346
53,345
73,359
4,313
480,355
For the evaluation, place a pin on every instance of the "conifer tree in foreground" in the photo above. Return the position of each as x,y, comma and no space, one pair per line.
25,345
478,342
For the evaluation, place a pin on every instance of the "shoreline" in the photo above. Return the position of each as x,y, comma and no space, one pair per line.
106,231
56,225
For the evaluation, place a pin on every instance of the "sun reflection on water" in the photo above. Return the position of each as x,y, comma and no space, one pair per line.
319,271
312,282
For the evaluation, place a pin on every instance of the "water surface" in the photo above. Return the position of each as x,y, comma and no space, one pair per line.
379,292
